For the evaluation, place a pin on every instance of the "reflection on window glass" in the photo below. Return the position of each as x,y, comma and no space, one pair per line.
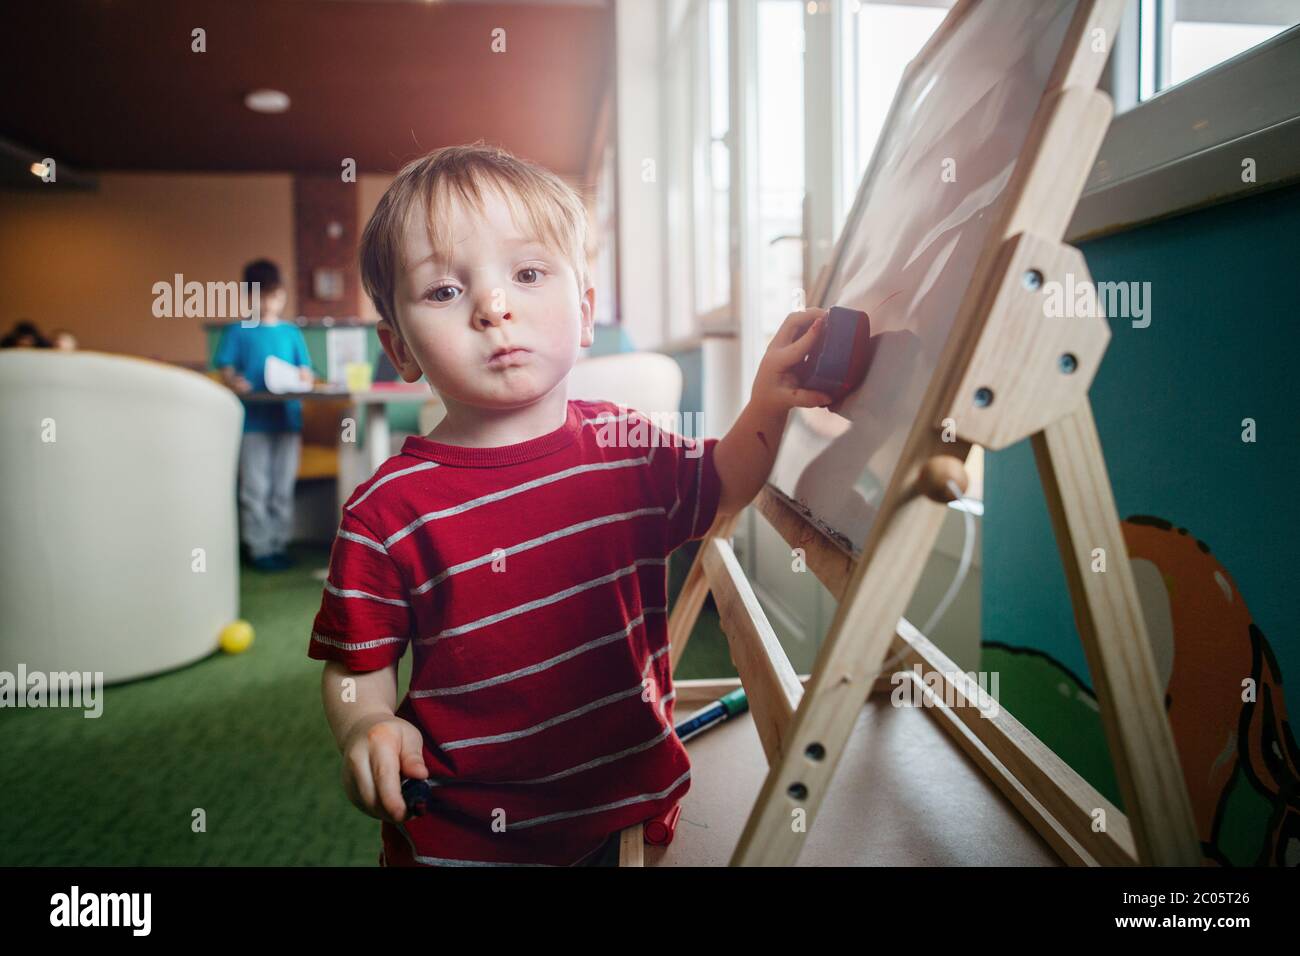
1199,46
882,39
780,158
1182,38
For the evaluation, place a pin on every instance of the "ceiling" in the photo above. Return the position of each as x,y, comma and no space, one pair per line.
113,84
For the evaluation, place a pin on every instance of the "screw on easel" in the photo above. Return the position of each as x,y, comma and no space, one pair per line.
798,791
1033,280
983,397
814,752
1067,363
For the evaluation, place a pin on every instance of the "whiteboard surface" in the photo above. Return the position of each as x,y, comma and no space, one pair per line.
912,242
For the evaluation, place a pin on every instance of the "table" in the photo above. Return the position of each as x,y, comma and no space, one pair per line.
904,794
369,410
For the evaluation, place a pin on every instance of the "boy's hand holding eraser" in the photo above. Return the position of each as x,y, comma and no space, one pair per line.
839,362
816,358
776,383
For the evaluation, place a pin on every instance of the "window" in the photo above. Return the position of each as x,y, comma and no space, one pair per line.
1182,38
696,173
680,70
879,39
713,182
780,160
1212,90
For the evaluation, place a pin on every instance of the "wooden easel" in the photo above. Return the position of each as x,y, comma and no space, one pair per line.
1001,344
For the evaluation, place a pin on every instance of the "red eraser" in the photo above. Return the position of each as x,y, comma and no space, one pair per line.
659,830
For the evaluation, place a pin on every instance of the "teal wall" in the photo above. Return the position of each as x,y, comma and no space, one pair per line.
1169,400
692,363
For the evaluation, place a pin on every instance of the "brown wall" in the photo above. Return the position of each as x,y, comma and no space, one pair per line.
87,261
372,188
320,201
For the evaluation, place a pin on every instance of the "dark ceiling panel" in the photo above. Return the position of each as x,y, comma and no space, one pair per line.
113,84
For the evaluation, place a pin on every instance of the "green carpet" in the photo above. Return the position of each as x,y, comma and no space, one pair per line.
240,737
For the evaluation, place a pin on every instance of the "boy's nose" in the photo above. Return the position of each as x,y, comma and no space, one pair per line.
487,317
491,304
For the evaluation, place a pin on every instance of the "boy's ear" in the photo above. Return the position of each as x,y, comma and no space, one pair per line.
588,304
397,352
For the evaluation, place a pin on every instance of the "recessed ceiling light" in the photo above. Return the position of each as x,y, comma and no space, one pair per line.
267,101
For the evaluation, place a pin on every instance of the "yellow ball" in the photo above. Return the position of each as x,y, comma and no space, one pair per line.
236,636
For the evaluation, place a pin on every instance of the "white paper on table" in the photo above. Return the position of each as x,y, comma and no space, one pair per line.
281,376
342,348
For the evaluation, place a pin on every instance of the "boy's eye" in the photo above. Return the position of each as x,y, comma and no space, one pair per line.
535,271
433,293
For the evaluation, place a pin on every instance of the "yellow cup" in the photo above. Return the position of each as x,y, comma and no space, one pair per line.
358,376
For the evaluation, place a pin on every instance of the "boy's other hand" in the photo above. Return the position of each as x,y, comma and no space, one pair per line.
241,385
377,753
776,384
308,377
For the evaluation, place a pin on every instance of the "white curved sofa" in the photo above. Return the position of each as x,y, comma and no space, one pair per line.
650,382
98,528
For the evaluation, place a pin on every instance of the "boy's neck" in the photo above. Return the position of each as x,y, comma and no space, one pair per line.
470,426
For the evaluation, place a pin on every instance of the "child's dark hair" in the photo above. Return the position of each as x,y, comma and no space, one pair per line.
25,329
265,273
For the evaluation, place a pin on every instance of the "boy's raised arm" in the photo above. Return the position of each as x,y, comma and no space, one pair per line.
303,358
234,381
745,455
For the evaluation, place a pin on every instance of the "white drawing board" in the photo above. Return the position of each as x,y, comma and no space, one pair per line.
910,245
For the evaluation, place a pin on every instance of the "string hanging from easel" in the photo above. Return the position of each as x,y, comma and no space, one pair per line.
963,568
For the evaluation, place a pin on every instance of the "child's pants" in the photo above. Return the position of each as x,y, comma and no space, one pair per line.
268,469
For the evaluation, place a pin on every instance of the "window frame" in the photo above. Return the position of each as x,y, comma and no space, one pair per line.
687,179
1182,149
1162,156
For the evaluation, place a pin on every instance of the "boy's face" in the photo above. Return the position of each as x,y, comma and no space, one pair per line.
500,291
271,305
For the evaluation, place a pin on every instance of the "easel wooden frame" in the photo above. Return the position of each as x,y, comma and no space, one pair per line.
999,341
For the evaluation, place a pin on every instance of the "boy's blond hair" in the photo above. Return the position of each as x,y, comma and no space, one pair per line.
536,197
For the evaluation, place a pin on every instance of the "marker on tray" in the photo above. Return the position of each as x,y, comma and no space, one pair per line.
658,831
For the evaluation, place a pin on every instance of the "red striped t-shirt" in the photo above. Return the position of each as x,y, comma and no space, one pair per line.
531,580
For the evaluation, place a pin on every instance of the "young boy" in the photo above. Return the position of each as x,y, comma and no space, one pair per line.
519,550
272,441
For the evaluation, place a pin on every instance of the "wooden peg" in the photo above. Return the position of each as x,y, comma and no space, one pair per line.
936,474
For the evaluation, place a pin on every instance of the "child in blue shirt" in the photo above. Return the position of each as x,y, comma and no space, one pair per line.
272,440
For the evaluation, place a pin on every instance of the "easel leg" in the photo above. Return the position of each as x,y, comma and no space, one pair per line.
848,662
631,846
1115,641
690,601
